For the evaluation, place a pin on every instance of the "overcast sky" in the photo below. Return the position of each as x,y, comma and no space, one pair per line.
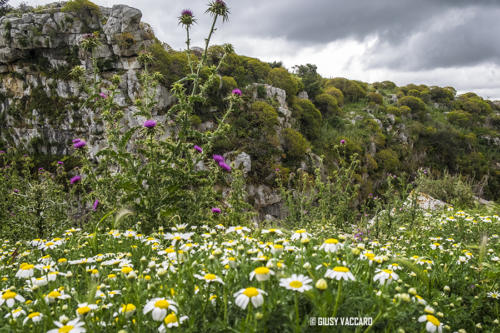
434,42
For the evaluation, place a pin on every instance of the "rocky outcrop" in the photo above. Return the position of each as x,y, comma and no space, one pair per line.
39,103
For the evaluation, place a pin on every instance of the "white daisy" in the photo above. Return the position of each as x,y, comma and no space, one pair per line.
9,297
159,308
384,275
171,321
246,295
73,326
261,273
301,234
340,272
433,323
330,245
296,282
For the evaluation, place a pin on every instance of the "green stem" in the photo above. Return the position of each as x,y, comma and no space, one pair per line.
337,301
188,42
297,318
204,57
374,321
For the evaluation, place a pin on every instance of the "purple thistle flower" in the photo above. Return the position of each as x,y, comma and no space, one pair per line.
198,149
342,142
40,169
80,144
16,190
236,92
218,158
60,162
186,12
76,140
75,179
103,95
2,151
216,210
150,123
224,166
95,205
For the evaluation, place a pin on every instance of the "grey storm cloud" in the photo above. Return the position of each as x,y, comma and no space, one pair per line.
411,34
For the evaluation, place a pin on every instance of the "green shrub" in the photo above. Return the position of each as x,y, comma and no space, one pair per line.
81,6
473,104
453,189
266,115
125,40
460,118
308,117
280,78
353,91
171,64
442,95
416,105
337,93
295,144
394,110
228,84
376,98
388,160
327,104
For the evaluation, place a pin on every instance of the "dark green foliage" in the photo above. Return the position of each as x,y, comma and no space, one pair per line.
308,117
245,70
388,160
327,104
442,95
353,91
295,144
337,93
280,78
310,78
375,97
416,105
460,118
473,104
81,7
171,64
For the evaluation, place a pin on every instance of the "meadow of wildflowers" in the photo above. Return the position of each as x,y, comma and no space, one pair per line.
155,249
217,278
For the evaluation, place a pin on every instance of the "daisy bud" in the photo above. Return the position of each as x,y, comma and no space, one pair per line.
429,310
63,319
143,258
446,327
307,265
361,246
64,307
446,288
305,240
211,257
405,297
400,330
398,289
462,331
259,316
321,284
452,305
496,321
355,251
478,325
440,314
132,275
412,291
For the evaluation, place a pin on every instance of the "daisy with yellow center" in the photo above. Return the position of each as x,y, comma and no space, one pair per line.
340,272
239,230
209,278
85,308
159,308
300,234
25,271
384,275
330,245
272,231
15,313
296,282
54,295
10,298
127,309
494,294
432,323
261,273
171,321
73,326
244,296
35,317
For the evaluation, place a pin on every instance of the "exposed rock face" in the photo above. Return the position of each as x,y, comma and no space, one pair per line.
38,101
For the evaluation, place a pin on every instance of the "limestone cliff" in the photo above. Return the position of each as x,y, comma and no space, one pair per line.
38,100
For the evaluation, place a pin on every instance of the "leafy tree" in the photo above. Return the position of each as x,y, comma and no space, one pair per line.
4,7
311,79
309,118
279,77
